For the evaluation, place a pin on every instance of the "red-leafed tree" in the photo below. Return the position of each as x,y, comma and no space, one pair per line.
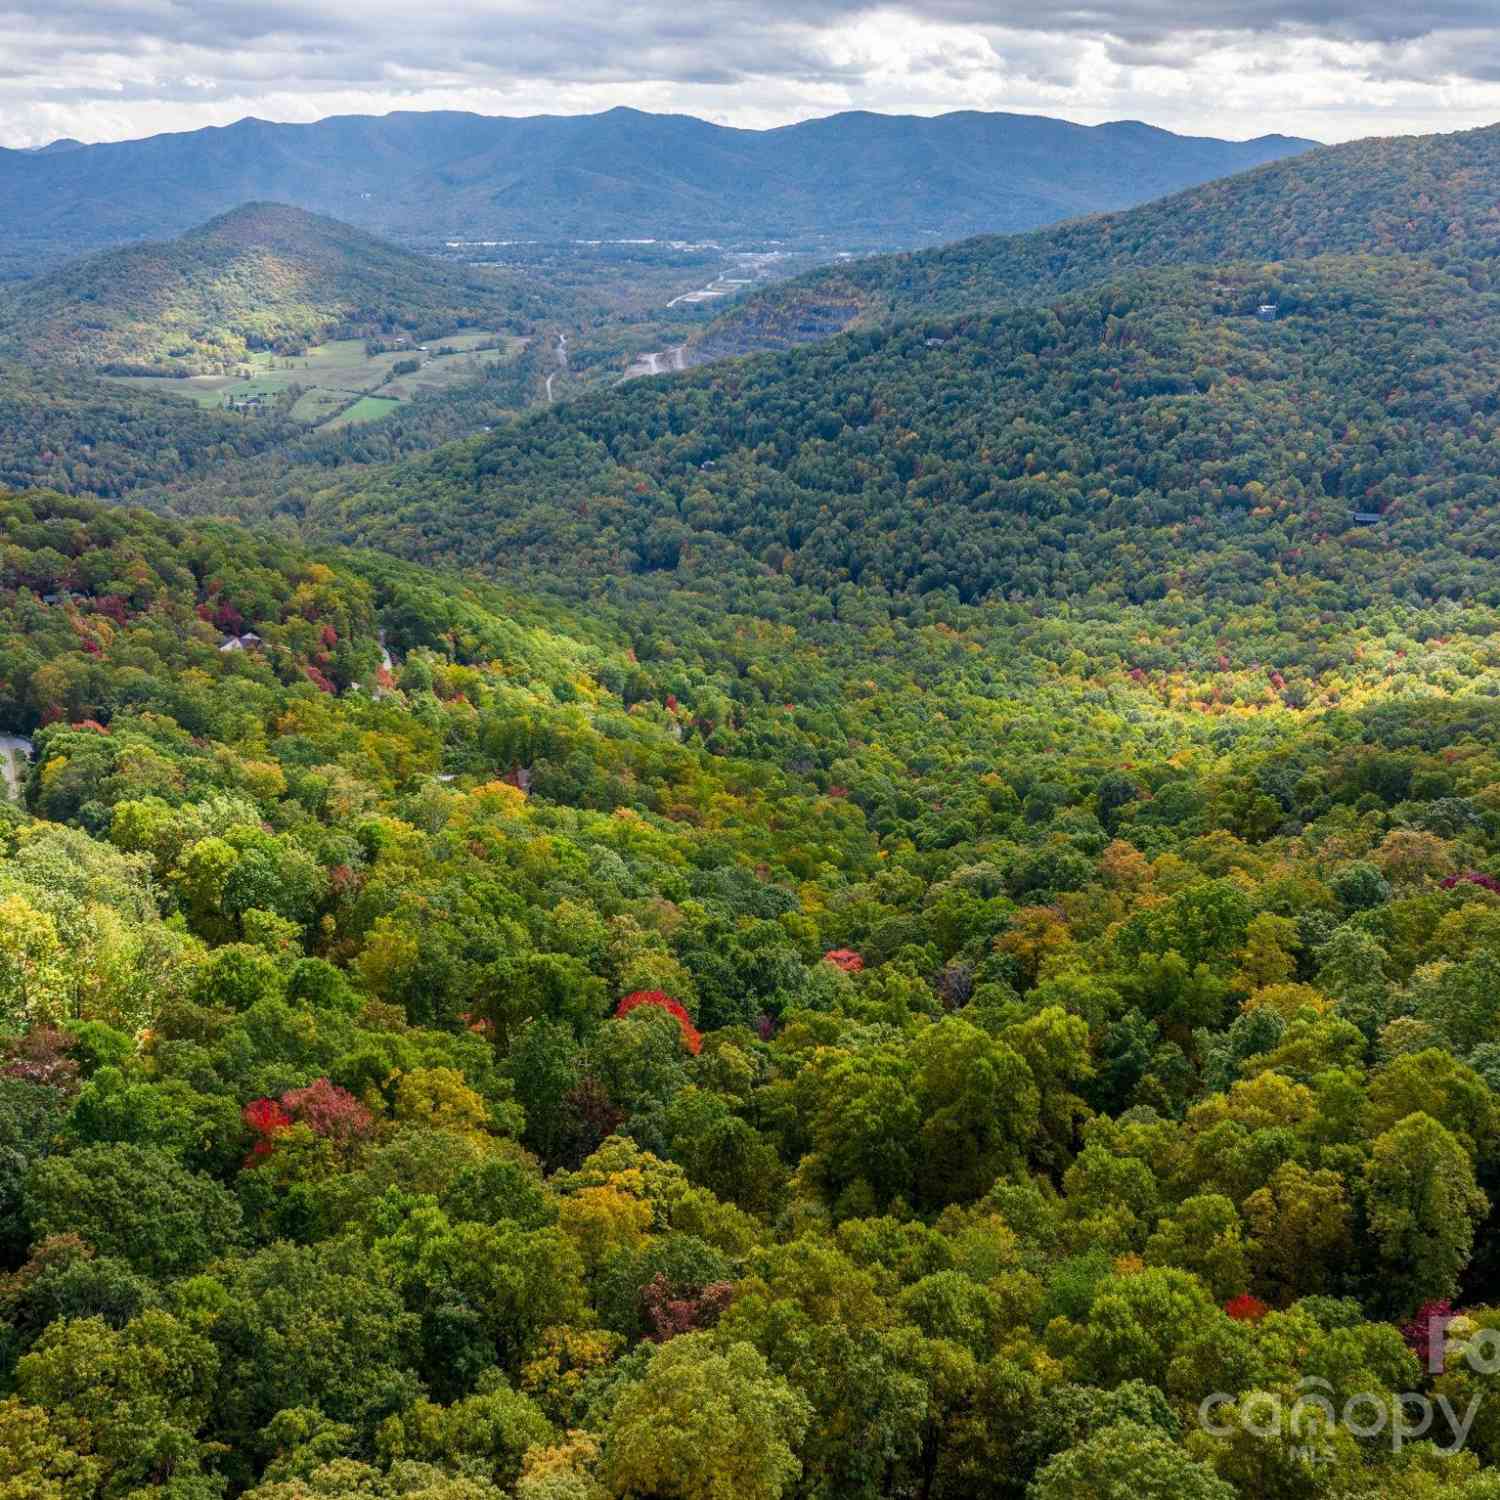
672,1311
691,1038
264,1118
1246,1309
844,958
1426,1334
329,1111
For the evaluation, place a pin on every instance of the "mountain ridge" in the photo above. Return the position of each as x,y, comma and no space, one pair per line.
874,179
1430,195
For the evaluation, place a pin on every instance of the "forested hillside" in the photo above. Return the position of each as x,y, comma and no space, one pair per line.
1434,195
1141,440
854,1049
264,276
68,431
81,435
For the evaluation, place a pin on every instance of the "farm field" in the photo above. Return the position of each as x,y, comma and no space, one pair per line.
366,409
336,375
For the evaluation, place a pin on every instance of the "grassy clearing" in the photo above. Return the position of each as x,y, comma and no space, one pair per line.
337,372
318,405
366,409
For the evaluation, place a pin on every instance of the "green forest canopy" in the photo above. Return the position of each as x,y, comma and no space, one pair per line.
1046,1025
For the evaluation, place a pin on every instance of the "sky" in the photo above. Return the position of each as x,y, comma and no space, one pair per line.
1329,69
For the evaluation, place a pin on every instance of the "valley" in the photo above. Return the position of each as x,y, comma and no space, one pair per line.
644,864
341,381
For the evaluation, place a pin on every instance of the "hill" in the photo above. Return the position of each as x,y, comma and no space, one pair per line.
1433,195
850,180
1130,442
264,276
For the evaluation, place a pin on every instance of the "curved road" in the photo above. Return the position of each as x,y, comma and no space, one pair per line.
562,359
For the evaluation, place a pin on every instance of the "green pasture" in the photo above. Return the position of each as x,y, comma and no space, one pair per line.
339,375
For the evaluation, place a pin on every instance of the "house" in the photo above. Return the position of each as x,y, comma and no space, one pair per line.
1267,311
1366,517
247,642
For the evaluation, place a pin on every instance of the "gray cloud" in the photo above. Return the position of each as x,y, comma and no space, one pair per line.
111,67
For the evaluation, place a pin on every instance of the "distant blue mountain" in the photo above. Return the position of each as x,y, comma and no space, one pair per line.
858,179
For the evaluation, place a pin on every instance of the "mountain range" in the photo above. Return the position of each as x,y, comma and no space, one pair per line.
855,179
264,276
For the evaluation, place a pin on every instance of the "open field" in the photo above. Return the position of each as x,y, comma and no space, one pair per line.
335,375
317,405
366,409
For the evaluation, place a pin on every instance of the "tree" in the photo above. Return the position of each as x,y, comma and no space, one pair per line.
310,1327
979,1107
1435,1083
36,1461
1203,1235
1127,1462
1055,1048
1423,1205
705,1423
136,1203
1138,1324
483,1293
35,988
1300,1227
135,1398
489,1432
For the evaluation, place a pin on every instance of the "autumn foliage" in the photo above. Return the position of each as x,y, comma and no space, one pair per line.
1426,1334
691,1037
331,1113
265,1119
1246,1309
673,1311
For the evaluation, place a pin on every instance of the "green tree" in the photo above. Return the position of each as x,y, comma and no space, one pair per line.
706,1423
136,1203
1127,1462
1423,1205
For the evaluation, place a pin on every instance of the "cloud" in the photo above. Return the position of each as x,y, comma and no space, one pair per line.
103,69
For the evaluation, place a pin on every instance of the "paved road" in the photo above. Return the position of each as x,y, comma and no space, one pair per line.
562,359
15,757
721,286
